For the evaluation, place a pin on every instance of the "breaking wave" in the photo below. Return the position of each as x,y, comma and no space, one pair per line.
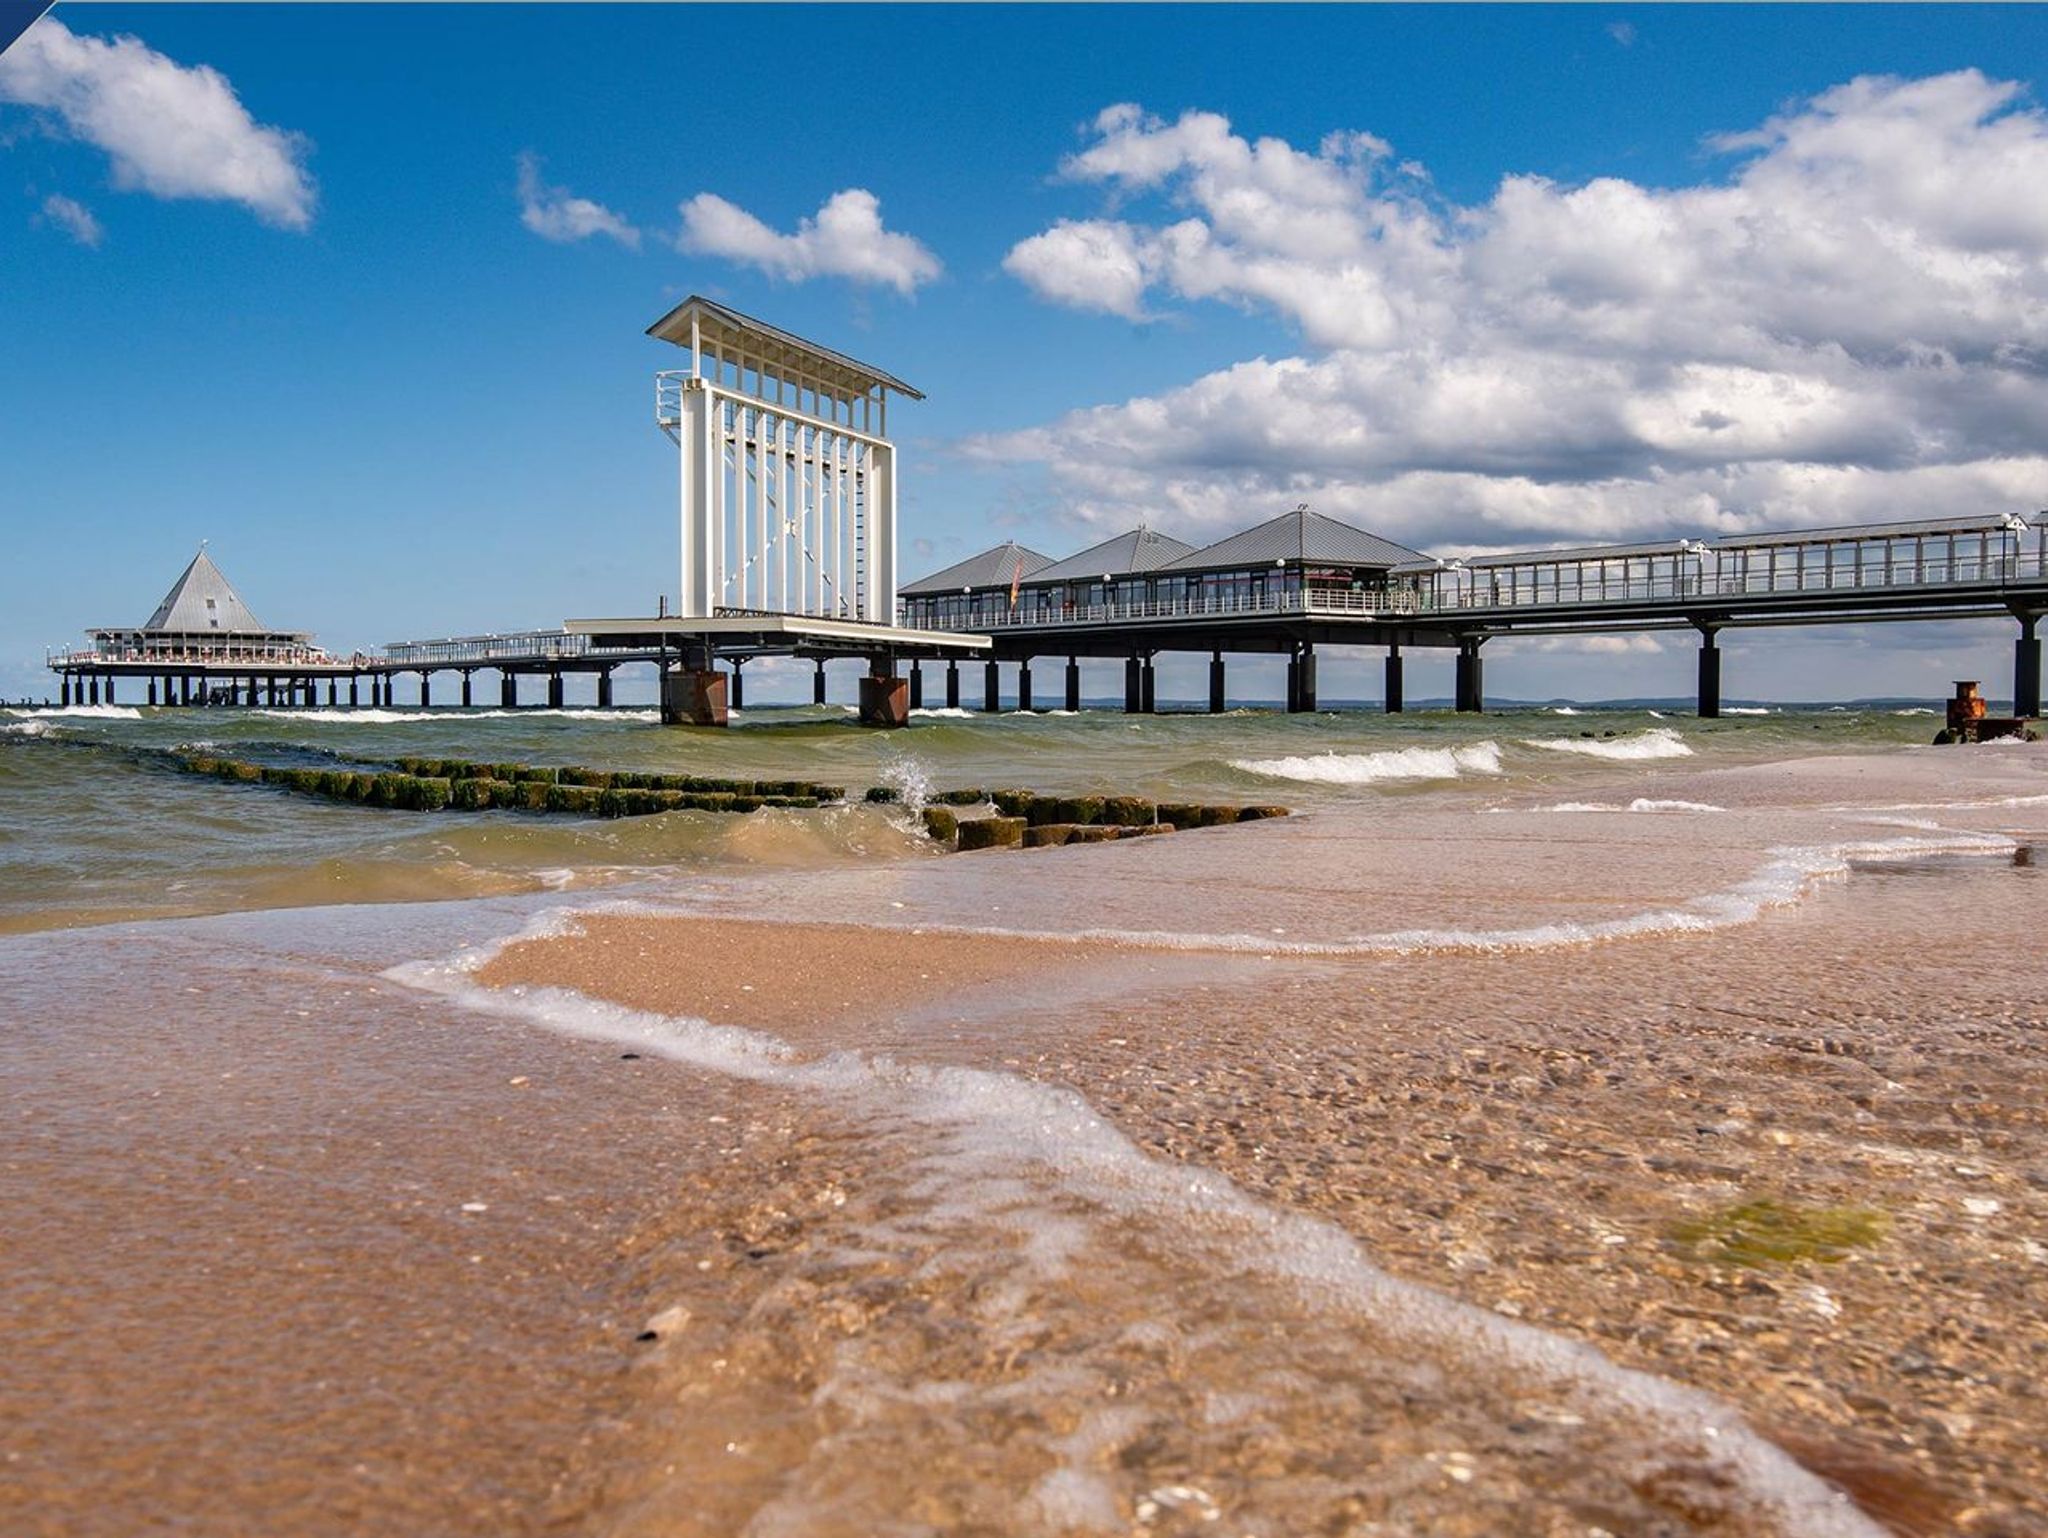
343,715
85,712
1656,742
1640,804
1371,768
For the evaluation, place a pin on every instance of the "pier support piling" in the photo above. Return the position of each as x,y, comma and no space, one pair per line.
1148,688
738,695
693,696
426,689
1470,694
508,690
991,688
1305,679
1024,684
468,692
1074,684
818,684
152,691
352,698
952,685
1218,683
884,697
1393,689
2026,669
1710,674
917,686
333,692
555,689
604,689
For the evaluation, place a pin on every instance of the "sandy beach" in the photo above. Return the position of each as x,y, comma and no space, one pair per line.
1544,1167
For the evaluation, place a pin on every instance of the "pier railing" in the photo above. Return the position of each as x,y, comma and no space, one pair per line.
526,646
1473,592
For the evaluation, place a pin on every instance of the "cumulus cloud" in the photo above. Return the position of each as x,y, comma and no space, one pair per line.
844,239
168,129
554,214
73,218
1849,321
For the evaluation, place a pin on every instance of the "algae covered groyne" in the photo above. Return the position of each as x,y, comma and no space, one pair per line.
965,819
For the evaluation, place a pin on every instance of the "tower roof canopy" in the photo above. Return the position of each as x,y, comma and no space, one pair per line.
782,352
1135,550
997,567
1297,536
203,600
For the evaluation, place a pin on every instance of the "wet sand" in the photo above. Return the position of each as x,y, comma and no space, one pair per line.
1530,1133
902,1281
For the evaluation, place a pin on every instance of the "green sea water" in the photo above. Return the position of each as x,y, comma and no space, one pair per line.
95,826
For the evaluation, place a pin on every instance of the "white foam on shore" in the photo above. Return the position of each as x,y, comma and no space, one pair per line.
995,1136
1640,804
1372,768
26,728
75,712
942,712
1561,710
1654,742
1747,710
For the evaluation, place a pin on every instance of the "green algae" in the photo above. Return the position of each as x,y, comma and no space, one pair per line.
1765,1232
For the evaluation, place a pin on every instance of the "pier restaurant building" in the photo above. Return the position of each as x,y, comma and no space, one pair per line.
1143,573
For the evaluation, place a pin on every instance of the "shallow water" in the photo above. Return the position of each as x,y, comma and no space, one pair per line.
1337,1209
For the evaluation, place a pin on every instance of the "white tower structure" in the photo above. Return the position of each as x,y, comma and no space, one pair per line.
786,471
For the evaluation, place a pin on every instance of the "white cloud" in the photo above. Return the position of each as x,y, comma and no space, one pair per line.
1091,264
844,239
1851,323
172,130
553,214
73,218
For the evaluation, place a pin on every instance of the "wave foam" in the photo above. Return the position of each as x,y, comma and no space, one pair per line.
1655,742
80,712
1640,804
992,1138
1747,710
1370,768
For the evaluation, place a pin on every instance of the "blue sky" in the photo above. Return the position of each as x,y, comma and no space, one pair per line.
397,408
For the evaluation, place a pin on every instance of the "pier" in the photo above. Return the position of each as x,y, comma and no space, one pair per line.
787,510
1302,580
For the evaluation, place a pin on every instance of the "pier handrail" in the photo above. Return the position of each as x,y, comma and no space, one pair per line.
1475,592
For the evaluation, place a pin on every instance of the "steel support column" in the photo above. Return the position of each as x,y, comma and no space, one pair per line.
991,688
1149,701
917,686
1074,683
1710,674
818,683
1471,680
2026,669
426,688
1134,686
1305,679
555,688
952,685
1394,701
508,690
468,690
1024,684
1218,683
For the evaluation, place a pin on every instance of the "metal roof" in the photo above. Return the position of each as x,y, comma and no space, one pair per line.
721,324
1135,550
1984,523
1297,536
997,567
202,600
1574,553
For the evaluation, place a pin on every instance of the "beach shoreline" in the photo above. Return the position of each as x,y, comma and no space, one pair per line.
839,1221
